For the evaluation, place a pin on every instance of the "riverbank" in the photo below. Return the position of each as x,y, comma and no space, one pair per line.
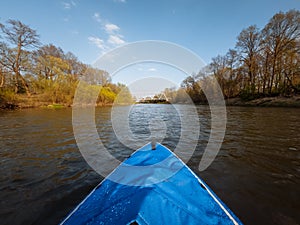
37,101
278,101
23,102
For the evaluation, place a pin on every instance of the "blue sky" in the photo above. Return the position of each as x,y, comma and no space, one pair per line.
88,28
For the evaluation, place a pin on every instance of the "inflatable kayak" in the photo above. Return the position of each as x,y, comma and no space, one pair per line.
160,189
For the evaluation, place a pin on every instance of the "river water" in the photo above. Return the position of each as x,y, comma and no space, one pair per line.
256,173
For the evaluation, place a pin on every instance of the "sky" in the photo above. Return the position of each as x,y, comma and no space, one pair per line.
91,28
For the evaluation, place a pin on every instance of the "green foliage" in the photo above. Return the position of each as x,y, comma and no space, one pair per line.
124,96
55,91
106,96
7,96
88,94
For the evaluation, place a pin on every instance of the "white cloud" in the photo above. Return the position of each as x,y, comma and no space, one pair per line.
110,28
111,37
122,1
97,41
68,5
96,17
115,40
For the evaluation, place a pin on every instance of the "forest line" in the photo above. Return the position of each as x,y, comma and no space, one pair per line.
264,63
35,74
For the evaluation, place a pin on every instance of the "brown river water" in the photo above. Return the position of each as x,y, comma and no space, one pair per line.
256,173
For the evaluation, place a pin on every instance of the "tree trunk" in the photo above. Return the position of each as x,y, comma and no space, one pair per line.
2,81
16,68
17,72
272,75
16,82
25,85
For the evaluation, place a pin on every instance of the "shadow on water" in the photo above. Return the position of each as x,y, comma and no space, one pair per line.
256,173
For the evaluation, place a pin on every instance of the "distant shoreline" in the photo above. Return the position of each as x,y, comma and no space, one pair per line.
289,102
293,102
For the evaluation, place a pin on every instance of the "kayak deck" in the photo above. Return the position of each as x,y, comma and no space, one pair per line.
181,198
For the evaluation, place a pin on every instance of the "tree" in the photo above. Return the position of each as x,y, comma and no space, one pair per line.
21,37
170,93
218,67
248,46
264,62
124,96
291,70
42,66
181,96
280,36
231,87
192,88
106,96
96,76
76,68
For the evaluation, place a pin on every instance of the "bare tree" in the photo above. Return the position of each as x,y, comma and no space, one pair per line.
218,68
280,36
96,76
76,68
45,59
232,63
21,37
248,45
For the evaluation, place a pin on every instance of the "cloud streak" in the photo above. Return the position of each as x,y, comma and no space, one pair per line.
111,28
115,40
122,1
97,41
69,5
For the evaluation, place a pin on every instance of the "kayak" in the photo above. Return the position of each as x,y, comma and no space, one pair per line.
160,189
